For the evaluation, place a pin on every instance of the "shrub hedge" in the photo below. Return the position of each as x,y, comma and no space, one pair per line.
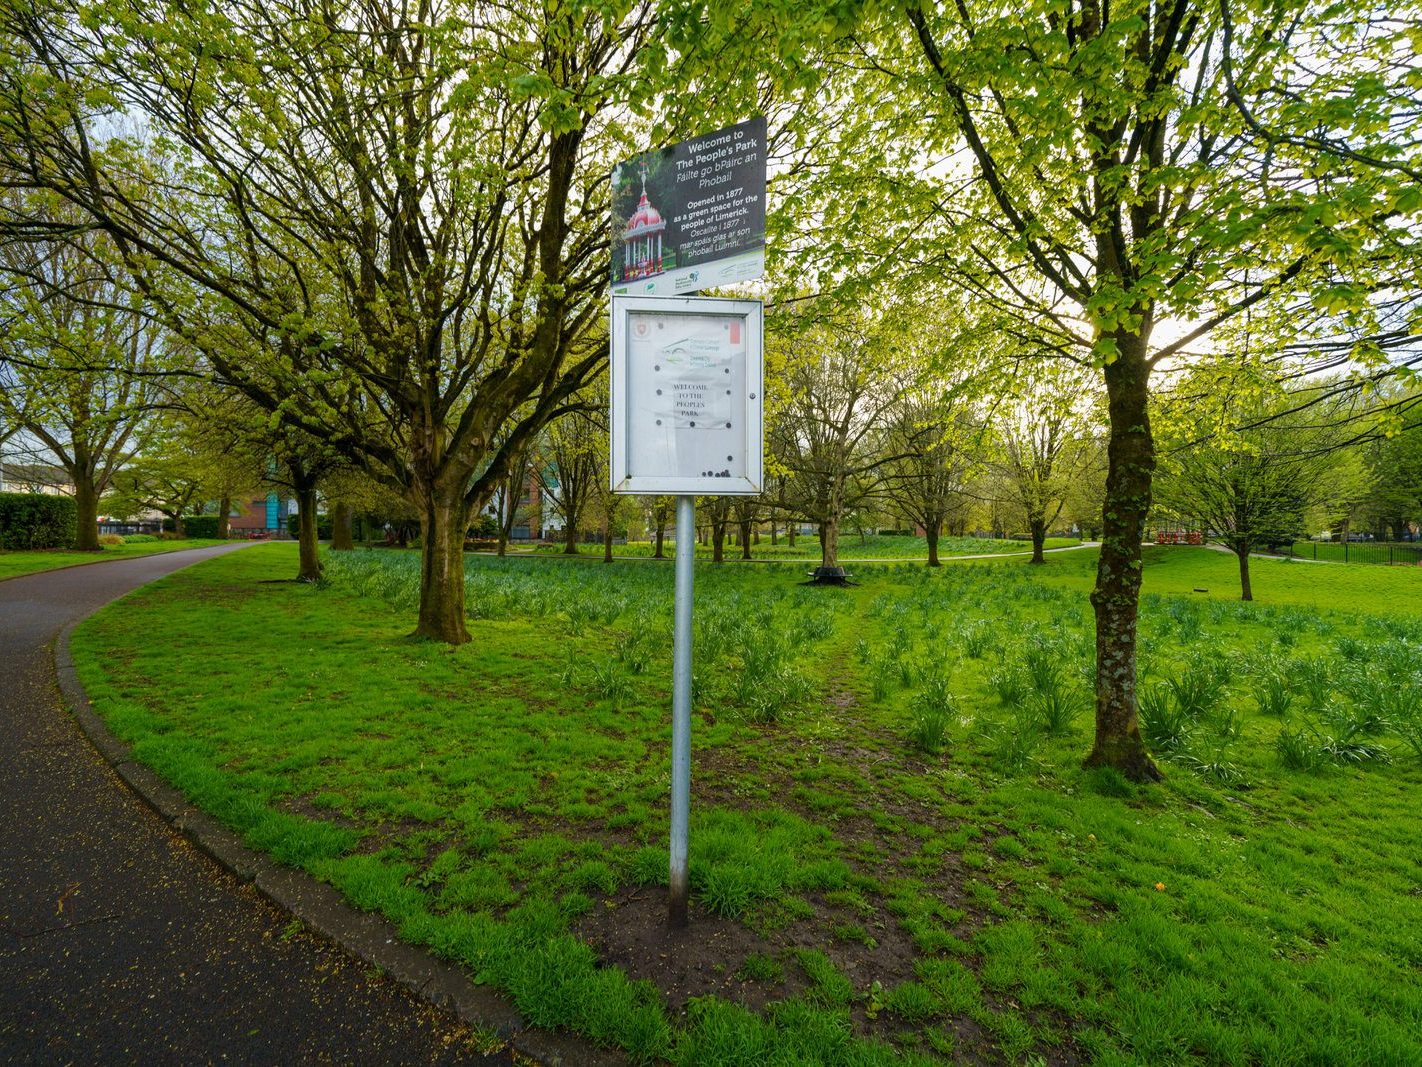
323,526
201,525
37,520
194,526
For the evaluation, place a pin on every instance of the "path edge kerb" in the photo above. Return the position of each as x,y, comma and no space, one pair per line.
370,938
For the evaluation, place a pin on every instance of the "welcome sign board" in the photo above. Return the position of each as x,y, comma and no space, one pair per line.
691,216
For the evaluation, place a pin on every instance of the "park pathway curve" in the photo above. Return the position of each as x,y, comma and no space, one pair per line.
120,942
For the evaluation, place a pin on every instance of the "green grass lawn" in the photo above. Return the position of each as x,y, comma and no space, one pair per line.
895,855
13,564
851,547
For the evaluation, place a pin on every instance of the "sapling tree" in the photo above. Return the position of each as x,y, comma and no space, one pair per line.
828,426
1249,489
1041,444
568,468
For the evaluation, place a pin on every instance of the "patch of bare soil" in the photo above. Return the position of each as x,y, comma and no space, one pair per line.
630,931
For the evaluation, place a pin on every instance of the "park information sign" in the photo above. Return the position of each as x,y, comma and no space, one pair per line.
691,216
687,396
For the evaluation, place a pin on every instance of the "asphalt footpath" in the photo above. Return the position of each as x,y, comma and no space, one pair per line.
119,941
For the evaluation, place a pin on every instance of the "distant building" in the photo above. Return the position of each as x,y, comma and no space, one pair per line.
529,520
260,515
34,478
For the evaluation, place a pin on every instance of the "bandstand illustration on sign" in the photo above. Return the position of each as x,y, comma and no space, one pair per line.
642,240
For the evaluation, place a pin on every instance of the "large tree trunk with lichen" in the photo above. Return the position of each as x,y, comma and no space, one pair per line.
342,532
1116,598
224,518
444,520
86,509
309,547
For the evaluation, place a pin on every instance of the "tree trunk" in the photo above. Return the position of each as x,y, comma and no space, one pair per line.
86,508
930,533
1116,598
310,548
1246,592
446,520
570,539
773,528
607,536
1039,538
745,540
179,527
661,534
342,528
829,543
718,542
790,533
224,518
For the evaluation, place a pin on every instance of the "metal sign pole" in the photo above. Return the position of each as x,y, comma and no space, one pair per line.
681,710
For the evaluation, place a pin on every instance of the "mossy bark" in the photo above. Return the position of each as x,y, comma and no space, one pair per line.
309,567
1116,598
342,532
829,543
86,515
445,520
1039,539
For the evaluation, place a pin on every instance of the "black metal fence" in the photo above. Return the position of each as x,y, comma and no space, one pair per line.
1408,553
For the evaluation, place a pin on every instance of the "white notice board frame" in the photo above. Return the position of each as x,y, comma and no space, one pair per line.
657,459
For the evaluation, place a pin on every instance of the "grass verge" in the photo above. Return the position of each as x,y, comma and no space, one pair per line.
895,855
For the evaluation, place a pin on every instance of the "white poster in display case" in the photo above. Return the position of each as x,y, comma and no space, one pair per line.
687,396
